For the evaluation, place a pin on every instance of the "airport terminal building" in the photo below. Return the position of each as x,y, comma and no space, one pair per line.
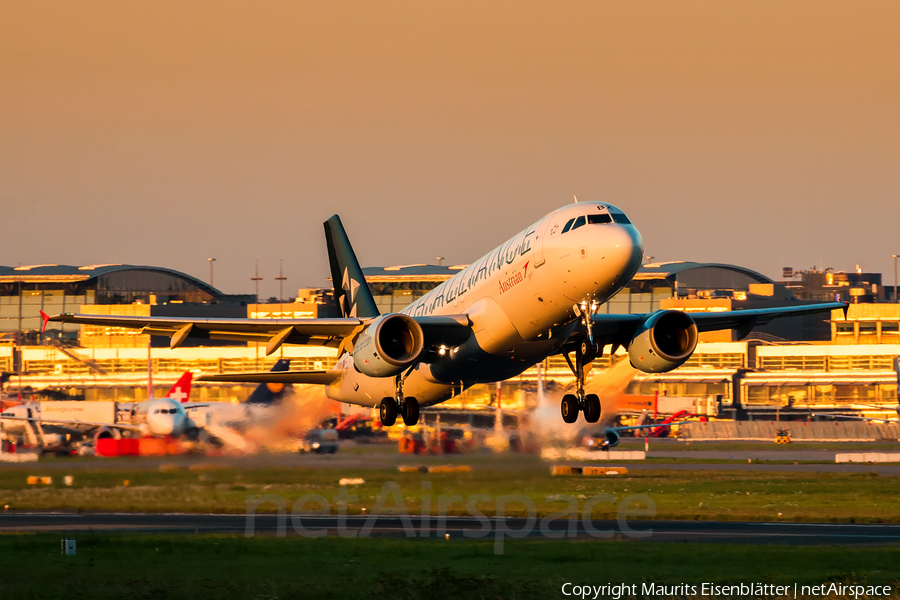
827,362
26,290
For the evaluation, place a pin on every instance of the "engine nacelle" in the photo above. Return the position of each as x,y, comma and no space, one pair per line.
612,439
390,344
107,433
664,342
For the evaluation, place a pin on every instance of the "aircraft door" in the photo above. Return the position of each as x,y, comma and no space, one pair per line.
538,245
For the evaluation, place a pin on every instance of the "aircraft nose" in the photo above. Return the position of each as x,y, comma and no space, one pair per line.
163,425
625,249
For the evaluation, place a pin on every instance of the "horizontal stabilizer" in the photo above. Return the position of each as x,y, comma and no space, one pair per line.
313,377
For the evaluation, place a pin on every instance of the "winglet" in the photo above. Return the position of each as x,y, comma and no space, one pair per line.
46,319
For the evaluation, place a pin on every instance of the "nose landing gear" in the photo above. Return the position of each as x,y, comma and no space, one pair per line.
589,404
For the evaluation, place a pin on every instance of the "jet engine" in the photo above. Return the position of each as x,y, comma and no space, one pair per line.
612,439
664,342
107,433
390,344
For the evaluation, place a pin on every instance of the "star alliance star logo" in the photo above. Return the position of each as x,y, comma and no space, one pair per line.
350,287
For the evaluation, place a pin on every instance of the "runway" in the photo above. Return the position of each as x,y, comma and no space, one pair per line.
456,527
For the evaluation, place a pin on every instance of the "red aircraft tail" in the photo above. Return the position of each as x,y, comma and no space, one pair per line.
181,391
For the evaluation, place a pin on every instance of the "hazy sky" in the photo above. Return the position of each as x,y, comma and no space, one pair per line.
757,133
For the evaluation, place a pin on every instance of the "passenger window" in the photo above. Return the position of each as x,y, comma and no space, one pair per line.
599,219
621,219
568,226
578,223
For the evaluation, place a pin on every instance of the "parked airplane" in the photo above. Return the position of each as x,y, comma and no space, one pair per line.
609,438
236,416
157,417
534,296
167,416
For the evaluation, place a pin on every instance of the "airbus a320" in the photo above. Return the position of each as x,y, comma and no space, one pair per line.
536,295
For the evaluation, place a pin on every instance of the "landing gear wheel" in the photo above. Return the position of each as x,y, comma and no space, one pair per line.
592,408
410,411
569,408
388,412
589,351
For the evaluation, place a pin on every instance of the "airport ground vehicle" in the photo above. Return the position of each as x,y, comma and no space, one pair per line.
320,441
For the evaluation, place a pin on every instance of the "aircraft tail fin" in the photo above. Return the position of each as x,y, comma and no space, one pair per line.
351,292
271,393
181,391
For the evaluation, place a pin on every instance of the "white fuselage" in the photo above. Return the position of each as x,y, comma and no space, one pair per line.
12,427
520,300
162,417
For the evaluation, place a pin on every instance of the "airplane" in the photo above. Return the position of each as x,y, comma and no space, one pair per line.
161,417
536,295
269,394
170,416
235,416
166,416
609,438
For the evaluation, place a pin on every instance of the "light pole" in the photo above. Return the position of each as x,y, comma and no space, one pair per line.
211,261
280,279
895,256
256,280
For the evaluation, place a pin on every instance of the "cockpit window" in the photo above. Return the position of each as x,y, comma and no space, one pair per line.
621,219
568,226
578,223
600,219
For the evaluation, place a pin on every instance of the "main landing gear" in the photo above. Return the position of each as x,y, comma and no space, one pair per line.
407,407
572,404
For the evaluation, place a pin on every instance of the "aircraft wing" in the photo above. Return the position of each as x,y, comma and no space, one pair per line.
336,333
74,423
612,328
748,319
313,377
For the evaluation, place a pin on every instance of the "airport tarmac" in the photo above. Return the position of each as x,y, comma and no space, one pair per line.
390,525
